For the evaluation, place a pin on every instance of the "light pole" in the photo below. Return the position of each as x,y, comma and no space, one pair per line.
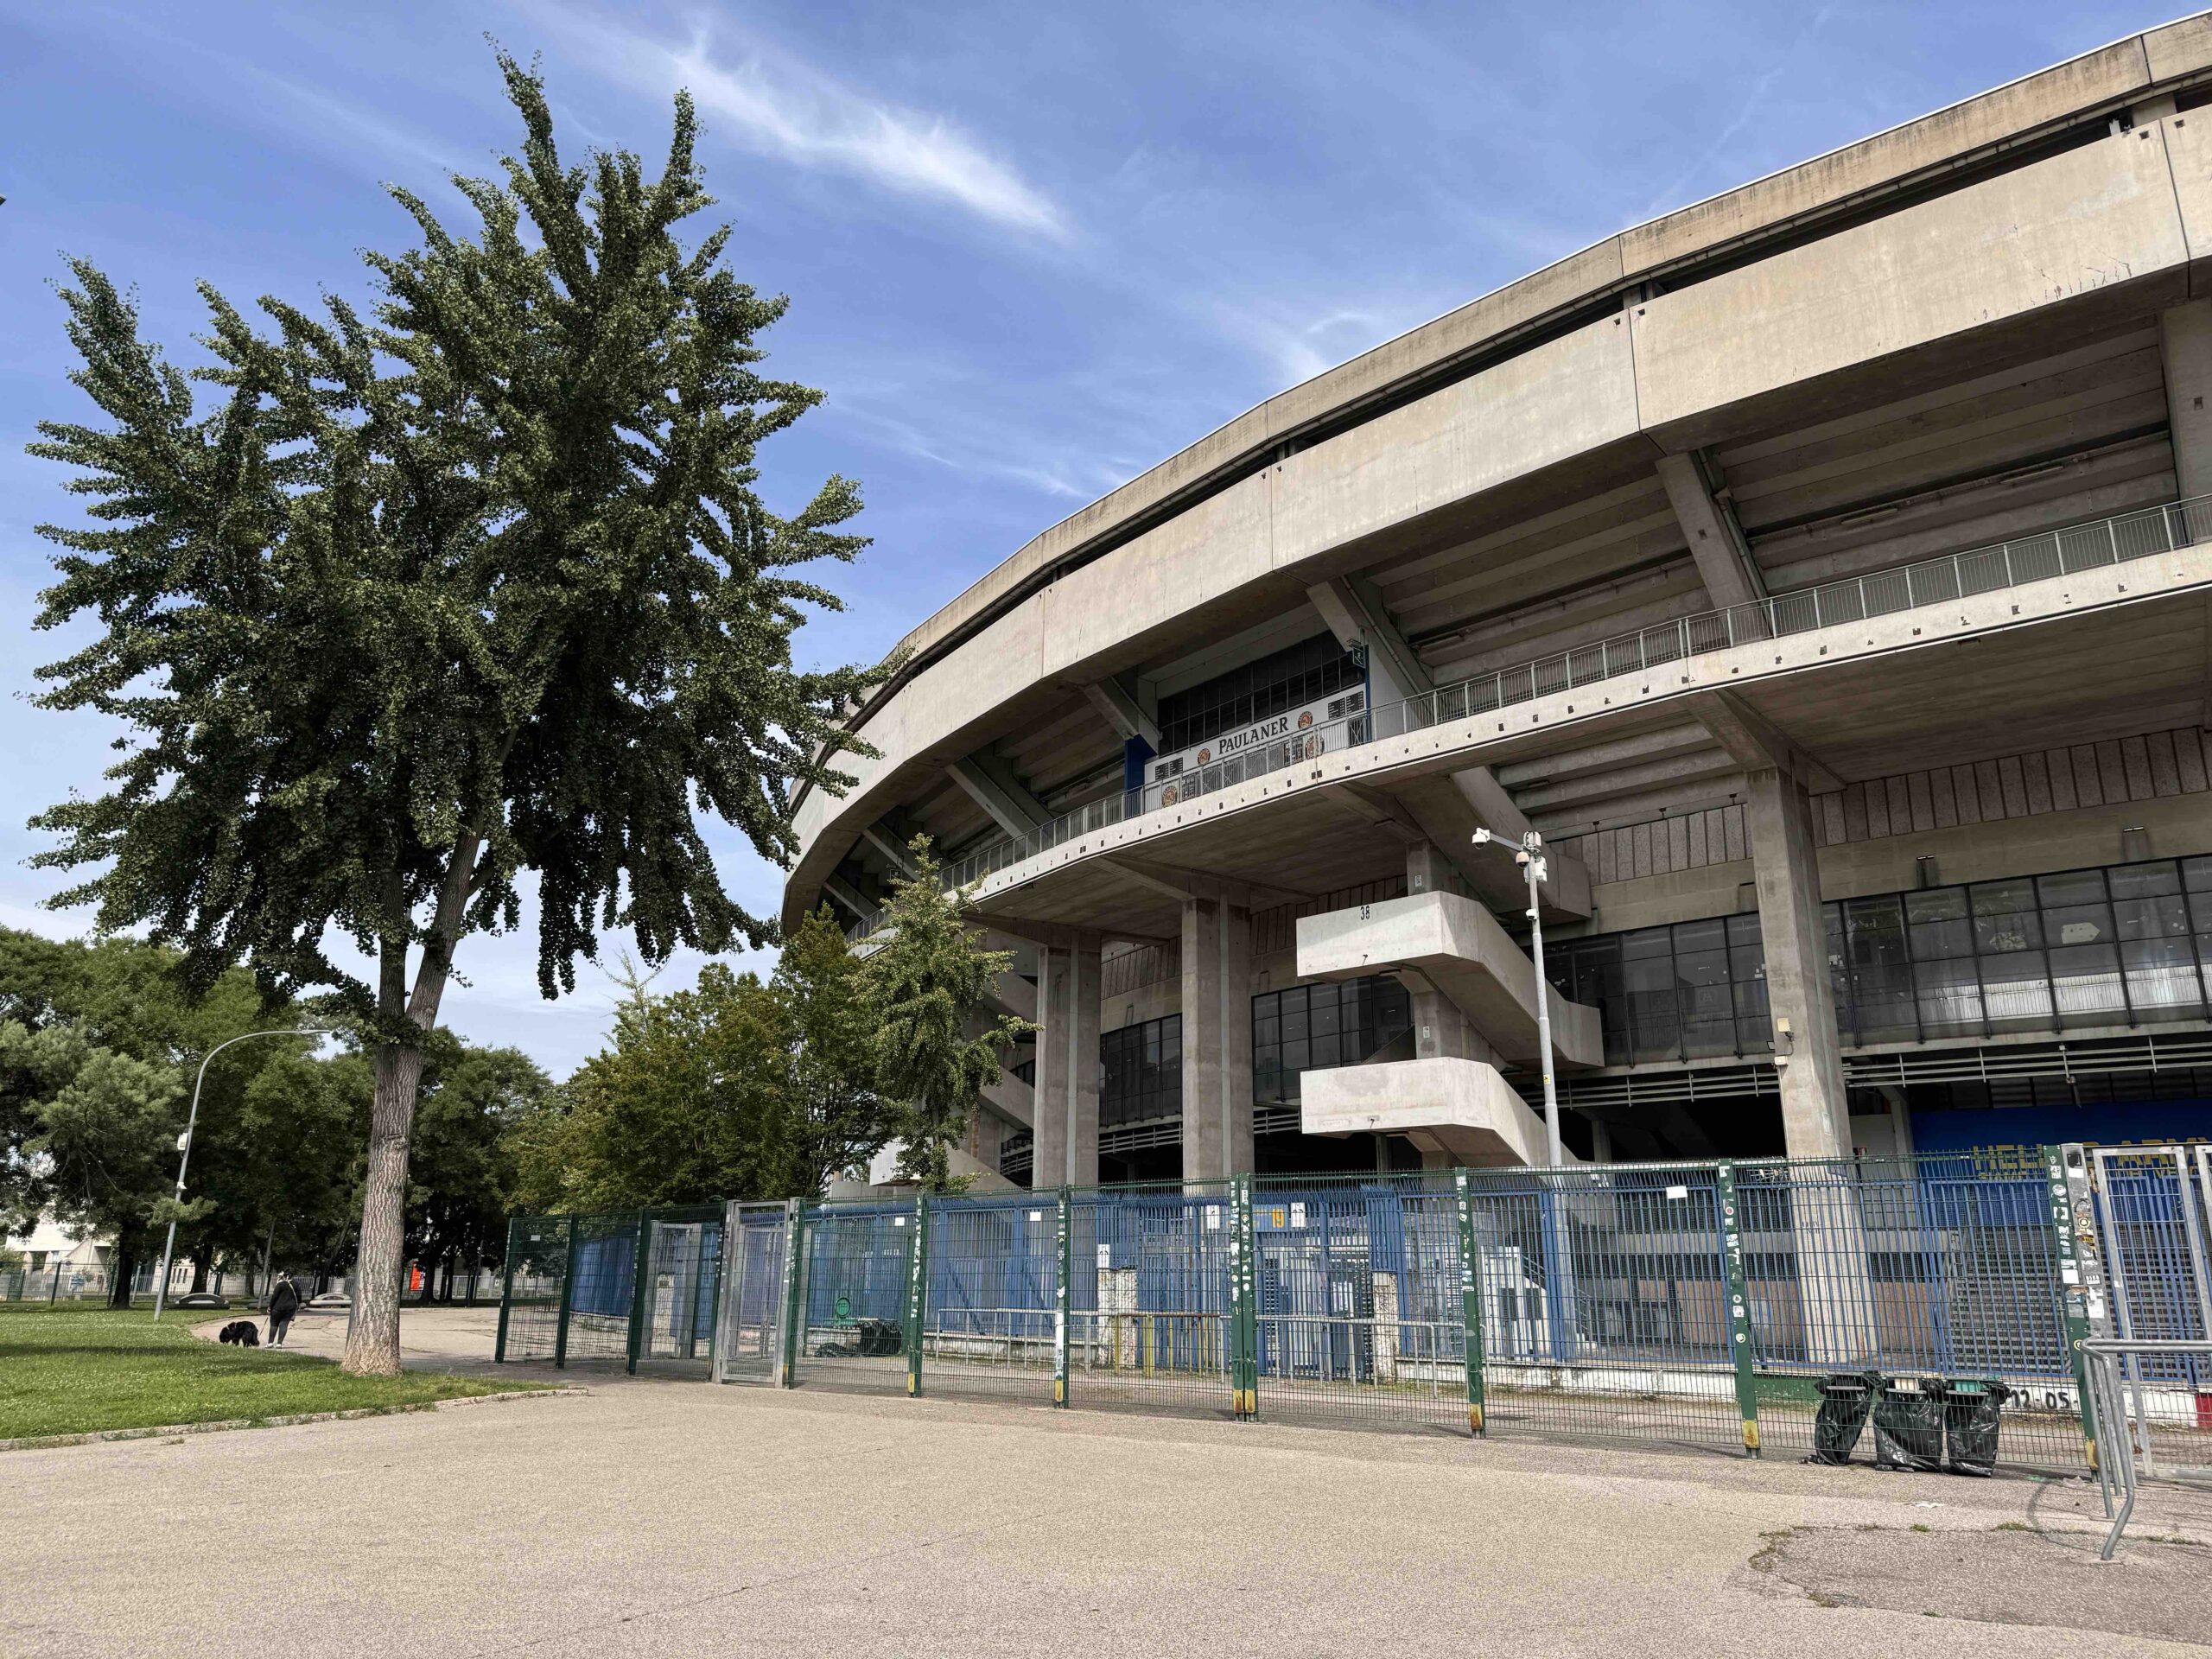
1529,855
184,1142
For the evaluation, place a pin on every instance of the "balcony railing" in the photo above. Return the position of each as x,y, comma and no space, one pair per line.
1935,581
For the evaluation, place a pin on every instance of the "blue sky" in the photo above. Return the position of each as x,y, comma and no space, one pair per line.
1031,250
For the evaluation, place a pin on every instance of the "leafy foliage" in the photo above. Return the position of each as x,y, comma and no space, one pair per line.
476,582
926,982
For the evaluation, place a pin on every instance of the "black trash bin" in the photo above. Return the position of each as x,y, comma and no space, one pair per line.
1909,1425
1846,1398
1971,1418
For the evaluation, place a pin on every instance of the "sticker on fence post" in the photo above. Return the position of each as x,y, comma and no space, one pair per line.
1244,1329
1064,1262
2080,1273
1471,1300
1739,1313
794,1276
917,1276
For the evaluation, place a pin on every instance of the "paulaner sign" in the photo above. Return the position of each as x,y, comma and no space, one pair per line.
1277,740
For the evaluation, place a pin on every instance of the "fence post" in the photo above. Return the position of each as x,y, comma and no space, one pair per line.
794,1297
1243,1284
2081,1274
1063,1309
567,1297
1739,1308
506,1290
916,1290
56,1290
1470,1299
640,1249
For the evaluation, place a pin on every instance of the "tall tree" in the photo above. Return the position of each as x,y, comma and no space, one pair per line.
935,1047
842,1119
474,584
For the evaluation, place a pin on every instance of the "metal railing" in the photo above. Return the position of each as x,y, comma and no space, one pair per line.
2153,1432
1954,576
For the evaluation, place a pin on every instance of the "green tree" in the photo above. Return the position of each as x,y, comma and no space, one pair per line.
935,1049
690,1104
842,1118
474,584
463,1168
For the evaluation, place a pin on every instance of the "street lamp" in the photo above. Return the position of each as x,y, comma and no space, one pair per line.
1529,853
184,1142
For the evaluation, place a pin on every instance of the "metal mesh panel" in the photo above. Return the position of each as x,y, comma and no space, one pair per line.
603,1283
852,1291
1359,1310
1149,1294
537,1261
1605,1304
989,1320
749,1345
677,1324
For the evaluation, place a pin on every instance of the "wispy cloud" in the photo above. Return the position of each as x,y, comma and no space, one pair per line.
777,106
1671,196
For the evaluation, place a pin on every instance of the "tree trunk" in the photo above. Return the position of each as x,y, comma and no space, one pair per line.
125,1264
202,1259
372,1347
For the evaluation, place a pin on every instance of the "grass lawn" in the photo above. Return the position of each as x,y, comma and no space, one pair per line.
71,1369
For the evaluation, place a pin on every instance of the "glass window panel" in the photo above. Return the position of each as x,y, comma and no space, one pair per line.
2071,887
1326,1018
1326,1051
2162,978
2015,990
1648,942
1947,999
2197,875
1703,968
2086,980
1930,904
2145,880
2163,917
2079,925
2005,917
1701,936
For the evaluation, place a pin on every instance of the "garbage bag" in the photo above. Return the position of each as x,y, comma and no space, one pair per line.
1972,1419
1908,1426
879,1337
1846,1398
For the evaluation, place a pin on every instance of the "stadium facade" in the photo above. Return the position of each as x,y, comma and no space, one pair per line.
1823,571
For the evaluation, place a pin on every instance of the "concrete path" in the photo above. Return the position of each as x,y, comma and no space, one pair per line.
459,1340
661,1517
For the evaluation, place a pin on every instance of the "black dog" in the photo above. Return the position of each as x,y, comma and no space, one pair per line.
244,1332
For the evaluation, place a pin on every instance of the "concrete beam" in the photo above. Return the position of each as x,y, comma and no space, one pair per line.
1013,1100
1696,492
850,896
1121,712
1754,742
1066,1097
991,785
1356,614
2185,347
1216,1009
1450,808
1460,1108
1181,884
886,840
1458,947
1816,1110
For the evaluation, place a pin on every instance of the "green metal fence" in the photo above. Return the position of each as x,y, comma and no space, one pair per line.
1690,1305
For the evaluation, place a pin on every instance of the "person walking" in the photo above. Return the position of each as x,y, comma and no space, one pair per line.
284,1305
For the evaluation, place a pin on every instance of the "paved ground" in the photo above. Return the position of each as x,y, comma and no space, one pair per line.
654,1517
430,1339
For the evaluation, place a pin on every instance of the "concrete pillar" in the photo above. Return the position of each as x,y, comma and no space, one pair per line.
1815,1111
1216,1040
1067,1065
2185,343
1428,871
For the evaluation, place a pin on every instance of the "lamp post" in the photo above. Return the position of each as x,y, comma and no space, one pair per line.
1529,853
184,1143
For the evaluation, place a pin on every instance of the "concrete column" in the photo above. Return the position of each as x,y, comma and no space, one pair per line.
1216,1040
2185,343
1067,1065
1815,1120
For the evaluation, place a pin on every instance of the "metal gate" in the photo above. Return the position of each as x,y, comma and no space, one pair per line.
755,1303
684,1259
2155,1204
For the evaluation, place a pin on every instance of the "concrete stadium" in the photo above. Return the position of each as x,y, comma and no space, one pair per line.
1823,571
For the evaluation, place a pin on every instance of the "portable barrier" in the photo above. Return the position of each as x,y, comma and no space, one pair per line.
1693,1304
